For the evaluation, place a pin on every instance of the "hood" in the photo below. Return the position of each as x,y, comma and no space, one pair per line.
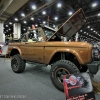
70,27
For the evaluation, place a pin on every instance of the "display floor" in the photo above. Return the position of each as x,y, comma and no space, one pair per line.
33,84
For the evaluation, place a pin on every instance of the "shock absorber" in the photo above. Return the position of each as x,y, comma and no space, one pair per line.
62,56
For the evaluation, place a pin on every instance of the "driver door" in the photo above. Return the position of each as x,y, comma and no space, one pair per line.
34,49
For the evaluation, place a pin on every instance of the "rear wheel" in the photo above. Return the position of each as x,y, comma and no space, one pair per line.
59,69
17,64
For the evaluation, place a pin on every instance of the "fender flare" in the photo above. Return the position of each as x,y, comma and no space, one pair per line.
16,49
68,51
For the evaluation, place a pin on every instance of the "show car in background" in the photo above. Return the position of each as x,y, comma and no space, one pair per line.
47,46
1,47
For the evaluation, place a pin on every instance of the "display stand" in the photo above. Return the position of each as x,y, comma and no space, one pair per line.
78,87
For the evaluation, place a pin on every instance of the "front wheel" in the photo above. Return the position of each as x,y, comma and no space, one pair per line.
17,64
60,68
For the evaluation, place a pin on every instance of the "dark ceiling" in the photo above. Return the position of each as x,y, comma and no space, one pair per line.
90,32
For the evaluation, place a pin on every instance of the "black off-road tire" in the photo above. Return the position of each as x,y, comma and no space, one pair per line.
60,68
17,64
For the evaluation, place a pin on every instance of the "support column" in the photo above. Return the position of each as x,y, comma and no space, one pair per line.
17,31
2,35
76,38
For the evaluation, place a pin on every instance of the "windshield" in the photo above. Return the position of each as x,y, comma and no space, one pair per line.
48,32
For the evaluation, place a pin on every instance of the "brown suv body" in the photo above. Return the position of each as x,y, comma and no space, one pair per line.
43,52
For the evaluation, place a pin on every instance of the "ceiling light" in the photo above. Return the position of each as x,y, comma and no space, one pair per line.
34,7
44,22
36,25
88,27
6,25
80,30
23,15
24,29
56,18
16,19
59,5
9,29
70,13
32,18
25,22
98,14
93,31
10,23
44,12
84,32
94,4
91,28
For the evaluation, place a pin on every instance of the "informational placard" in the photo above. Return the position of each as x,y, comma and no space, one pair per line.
78,87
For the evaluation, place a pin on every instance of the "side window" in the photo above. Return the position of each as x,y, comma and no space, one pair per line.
35,35
31,36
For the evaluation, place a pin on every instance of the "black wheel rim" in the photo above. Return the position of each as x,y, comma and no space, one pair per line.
15,64
60,72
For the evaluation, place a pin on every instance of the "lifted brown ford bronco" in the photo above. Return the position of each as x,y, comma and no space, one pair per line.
50,47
